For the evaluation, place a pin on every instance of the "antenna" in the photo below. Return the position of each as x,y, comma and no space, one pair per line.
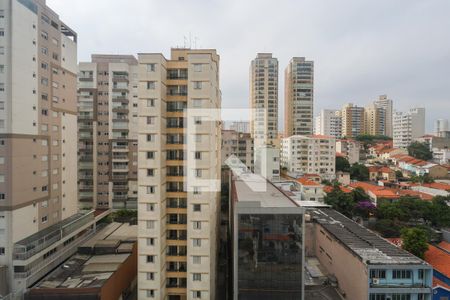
184,41
195,42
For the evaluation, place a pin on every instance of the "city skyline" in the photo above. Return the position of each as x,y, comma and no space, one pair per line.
382,61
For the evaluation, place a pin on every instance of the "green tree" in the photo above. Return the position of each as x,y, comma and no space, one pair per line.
420,151
342,164
340,201
398,174
415,241
438,213
392,212
359,194
387,228
422,179
359,172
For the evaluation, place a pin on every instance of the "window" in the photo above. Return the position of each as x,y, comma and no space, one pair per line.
150,172
44,65
2,160
198,138
150,206
197,190
150,102
197,225
44,96
197,103
150,190
151,120
44,35
2,50
2,13
150,293
401,296
150,155
197,242
2,87
2,178
197,67
2,251
151,85
150,258
196,260
44,81
44,219
44,50
377,297
2,32
55,84
197,85
198,155
2,196
2,105
401,274
55,56
197,294
150,276
151,224
197,207
197,277
2,69
151,137
151,67
198,120
150,242
381,274
197,173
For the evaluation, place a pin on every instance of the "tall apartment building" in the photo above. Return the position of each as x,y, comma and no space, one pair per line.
178,167
240,126
299,97
329,122
374,120
107,126
408,126
314,154
264,99
39,219
440,125
238,144
353,120
388,106
350,149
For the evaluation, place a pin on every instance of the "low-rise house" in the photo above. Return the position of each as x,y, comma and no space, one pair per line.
418,167
439,258
381,173
343,177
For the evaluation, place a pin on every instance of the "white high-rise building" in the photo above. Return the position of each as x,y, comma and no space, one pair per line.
314,154
329,122
179,165
387,104
264,99
441,125
408,126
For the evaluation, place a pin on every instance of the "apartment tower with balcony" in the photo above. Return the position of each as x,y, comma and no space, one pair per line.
107,131
388,106
299,97
353,120
408,126
39,220
264,99
179,166
374,120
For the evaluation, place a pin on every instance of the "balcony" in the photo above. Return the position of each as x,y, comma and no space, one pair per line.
39,241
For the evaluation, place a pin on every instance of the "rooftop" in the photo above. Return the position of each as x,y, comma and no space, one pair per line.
368,246
254,188
439,259
87,270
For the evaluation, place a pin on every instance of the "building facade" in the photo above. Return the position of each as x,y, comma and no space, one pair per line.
314,154
264,99
441,125
374,120
388,105
178,174
408,126
350,149
39,219
353,120
107,126
238,144
267,243
267,162
329,122
299,97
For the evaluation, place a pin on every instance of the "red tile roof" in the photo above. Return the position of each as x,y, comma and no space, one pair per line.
307,182
329,189
439,259
437,282
444,245
378,191
423,196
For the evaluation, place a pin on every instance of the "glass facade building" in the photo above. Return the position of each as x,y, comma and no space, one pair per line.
270,256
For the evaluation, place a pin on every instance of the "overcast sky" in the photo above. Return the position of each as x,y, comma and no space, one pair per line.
361,48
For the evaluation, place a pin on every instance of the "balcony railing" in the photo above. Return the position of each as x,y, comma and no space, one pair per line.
37,242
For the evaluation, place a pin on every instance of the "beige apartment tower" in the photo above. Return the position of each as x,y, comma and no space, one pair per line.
264,99
388,106
179,143
107,132
39,220
353,121
374,120
299,97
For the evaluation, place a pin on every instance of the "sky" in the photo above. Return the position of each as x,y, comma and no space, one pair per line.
361,48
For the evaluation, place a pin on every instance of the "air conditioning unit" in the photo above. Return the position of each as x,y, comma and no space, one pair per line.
375,281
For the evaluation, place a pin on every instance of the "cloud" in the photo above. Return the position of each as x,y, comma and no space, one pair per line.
361,48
